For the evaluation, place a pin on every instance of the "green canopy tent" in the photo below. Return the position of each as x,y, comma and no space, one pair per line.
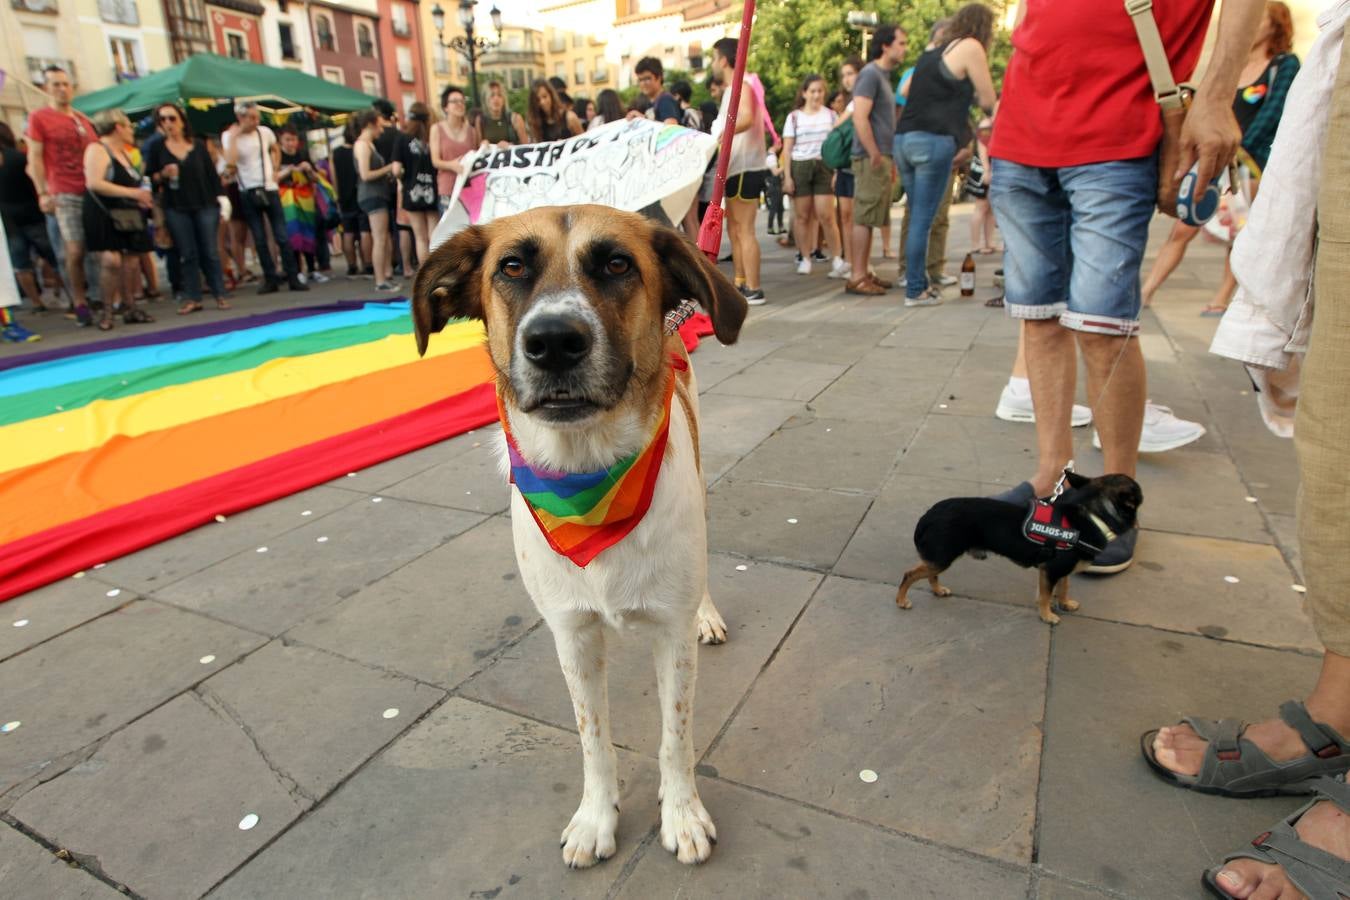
208,86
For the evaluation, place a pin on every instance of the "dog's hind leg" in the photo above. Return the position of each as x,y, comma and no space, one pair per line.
1062,596
1043,599
590,836
686,829
923,570
711,627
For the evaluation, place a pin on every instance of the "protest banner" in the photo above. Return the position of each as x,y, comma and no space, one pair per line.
634,165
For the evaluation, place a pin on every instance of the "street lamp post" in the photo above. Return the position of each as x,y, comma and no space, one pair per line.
466,44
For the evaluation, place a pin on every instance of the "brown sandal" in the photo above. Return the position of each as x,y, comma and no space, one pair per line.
222,303
137,316
188,307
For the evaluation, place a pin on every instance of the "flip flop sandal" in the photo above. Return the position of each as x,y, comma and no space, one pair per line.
222,303
995,302
137,316
189,307
1235,767
1317,873
105,324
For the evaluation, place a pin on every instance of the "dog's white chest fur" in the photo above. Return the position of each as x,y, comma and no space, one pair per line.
656,571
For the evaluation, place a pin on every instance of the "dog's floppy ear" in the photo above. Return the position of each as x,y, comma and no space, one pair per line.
689,274
448,286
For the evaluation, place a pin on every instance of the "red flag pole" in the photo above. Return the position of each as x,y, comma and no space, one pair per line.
710,232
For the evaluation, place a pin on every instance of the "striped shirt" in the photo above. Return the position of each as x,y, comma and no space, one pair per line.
809,131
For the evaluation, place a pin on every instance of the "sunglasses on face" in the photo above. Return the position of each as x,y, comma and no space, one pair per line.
168,118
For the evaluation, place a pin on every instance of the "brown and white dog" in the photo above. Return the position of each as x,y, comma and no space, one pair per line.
574,300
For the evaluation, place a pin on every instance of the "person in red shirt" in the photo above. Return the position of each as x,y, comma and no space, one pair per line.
57,136
1074,183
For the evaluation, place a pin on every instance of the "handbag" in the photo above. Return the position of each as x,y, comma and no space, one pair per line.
123,219
1173,101
256,197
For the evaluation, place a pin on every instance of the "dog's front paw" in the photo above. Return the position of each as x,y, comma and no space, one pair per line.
589,837
687,830
1050,619
711,627
941,591
1068,605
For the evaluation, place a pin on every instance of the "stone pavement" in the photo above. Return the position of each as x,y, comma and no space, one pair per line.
386,706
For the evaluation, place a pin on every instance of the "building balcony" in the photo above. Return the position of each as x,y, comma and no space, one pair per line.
402,29
557,45
406,76
600,76
37,6
500,57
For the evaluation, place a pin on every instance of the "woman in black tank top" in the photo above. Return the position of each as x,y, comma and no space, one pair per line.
948,78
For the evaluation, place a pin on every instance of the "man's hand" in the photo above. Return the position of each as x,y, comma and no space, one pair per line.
876,159
962,157
1211,136
47,203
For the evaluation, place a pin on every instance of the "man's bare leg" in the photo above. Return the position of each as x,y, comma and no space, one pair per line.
75,272
1052,367
743,224
862,250
1119,409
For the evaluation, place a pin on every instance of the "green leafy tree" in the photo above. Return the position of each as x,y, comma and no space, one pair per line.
794,38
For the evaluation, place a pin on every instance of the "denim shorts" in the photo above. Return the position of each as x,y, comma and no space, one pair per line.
1074,240
24,241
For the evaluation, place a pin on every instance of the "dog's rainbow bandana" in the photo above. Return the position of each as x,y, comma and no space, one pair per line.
583,514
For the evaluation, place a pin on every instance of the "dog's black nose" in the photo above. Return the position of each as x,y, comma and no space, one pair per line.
557,343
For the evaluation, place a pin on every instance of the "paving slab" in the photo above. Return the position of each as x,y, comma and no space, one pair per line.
943,703
271,591
374,479
440,618
160,805
27,869
979,448
828,454
715,363
314,716
769,848
730,427
472,800
78,687
1192,492
951,326
781,379
831,342
1179,582
1049,888
1110,683
759,604
164,563
31,618
752,519
891,386
472,481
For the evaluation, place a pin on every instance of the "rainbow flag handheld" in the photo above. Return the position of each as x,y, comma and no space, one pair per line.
111,446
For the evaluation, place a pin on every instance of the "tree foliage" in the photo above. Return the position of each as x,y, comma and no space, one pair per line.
795,38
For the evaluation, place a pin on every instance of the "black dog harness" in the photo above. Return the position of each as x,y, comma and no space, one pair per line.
1051,529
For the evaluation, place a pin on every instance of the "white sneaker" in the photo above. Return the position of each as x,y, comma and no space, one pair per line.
1162,431
841,269
804,267
947,280
300,277
319,278
1016,408
930,297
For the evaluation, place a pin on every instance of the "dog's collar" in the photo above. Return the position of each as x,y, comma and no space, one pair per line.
1047,526
682,313
582,514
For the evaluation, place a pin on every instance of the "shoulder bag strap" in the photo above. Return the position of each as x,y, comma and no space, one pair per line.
1165,89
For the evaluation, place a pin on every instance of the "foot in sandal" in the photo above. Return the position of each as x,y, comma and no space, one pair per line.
1274,757
1306,854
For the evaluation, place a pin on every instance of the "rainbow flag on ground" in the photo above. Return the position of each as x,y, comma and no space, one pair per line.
111,446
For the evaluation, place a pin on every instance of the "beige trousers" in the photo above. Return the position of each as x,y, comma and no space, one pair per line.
1322,425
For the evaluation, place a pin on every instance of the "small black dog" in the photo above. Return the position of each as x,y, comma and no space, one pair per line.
1058,537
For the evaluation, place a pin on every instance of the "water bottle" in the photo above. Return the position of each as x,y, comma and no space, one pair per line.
173,181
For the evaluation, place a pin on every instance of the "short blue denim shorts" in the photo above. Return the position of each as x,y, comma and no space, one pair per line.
1074,240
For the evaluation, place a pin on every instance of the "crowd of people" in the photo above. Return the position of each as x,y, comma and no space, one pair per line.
88,203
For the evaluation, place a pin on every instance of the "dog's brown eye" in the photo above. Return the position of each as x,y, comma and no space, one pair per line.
618,265
512,267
